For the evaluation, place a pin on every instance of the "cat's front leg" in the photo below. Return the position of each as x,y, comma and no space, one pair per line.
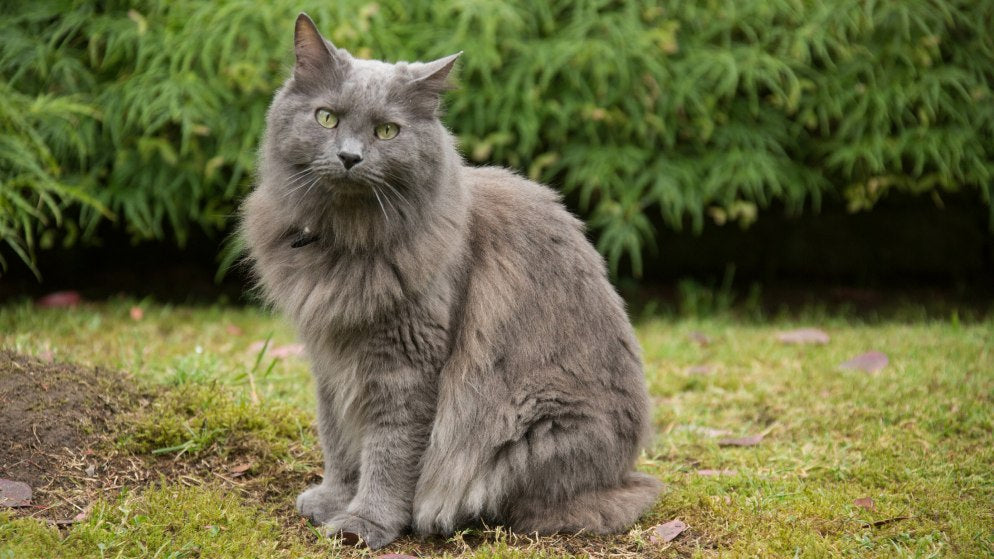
398,407
340,446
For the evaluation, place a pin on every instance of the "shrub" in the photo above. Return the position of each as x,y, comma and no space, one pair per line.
150,110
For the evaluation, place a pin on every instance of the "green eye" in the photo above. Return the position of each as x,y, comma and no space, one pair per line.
326,118
387,131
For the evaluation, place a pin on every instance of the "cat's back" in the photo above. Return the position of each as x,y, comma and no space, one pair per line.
535,276
524,222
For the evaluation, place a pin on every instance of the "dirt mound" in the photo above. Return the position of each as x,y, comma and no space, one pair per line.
50,412
59,428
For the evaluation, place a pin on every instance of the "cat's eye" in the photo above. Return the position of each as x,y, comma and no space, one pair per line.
387,131
326,118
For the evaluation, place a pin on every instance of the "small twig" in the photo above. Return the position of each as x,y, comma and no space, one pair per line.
227,479
72,504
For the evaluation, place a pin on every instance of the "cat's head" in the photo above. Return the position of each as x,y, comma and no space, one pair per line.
349,134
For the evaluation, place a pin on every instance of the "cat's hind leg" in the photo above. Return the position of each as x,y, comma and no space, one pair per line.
600,511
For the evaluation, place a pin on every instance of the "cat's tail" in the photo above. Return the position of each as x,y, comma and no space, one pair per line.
603,511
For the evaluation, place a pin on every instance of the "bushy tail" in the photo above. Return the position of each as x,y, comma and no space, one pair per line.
603,511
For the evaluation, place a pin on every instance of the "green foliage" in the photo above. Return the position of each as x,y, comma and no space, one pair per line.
689,110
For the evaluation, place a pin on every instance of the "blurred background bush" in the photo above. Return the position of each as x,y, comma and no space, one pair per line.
144,116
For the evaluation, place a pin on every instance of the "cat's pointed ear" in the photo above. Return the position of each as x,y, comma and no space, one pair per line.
316,57
433,77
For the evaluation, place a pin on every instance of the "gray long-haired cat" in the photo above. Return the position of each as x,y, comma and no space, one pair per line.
472,360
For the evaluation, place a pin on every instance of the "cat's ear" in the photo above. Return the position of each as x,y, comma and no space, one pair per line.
316,57
433,77
430,80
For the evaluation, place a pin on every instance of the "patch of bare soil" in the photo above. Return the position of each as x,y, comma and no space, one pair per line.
51,410
58,425
53,417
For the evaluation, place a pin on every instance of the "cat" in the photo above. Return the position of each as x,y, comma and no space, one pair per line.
472,361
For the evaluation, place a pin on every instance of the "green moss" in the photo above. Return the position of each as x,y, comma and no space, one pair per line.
172,521
195,418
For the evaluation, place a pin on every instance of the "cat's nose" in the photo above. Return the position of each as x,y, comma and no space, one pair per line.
349,159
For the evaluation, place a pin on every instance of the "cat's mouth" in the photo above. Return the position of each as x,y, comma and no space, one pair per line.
353,190
351,187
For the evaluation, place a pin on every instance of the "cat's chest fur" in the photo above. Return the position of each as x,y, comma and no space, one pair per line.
370,304
328,286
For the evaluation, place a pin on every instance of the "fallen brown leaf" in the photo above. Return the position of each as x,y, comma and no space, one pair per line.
14,493
870,362
752,440
664,533
287,350
715,473
704,431
59,299
700,338
803,336
83,514
864,502
239,469
700,370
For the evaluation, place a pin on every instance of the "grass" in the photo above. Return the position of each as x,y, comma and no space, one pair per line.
914,437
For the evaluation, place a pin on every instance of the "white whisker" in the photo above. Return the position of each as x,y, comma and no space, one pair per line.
297,183
398,194
376,193
310,185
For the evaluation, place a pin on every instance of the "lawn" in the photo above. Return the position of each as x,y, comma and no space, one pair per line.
211,439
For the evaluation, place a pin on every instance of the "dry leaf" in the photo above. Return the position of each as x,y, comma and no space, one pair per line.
705,431
239,469
82,515
60,299
700,338
864,502
700,370
664,533
395,556
715,473
136,313
14,493
752,440
803,336
288,350
870,362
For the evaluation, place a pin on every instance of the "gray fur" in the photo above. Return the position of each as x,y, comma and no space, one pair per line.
472,360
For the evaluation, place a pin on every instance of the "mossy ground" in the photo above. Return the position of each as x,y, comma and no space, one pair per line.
227,442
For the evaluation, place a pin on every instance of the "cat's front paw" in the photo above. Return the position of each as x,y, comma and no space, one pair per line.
320,503
351,528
